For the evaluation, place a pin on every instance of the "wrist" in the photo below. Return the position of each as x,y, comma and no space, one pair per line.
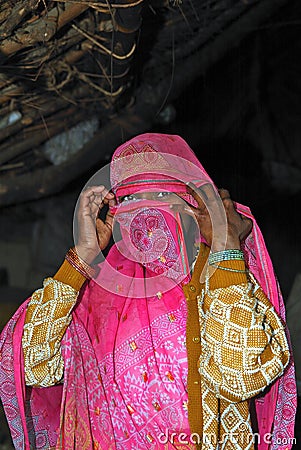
79,264
229,245
86,254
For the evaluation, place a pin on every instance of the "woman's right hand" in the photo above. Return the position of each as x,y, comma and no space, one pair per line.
217,210
93,233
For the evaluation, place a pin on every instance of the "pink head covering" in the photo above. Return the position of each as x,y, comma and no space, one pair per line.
155,162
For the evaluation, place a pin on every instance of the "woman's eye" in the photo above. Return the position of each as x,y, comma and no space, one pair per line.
128,198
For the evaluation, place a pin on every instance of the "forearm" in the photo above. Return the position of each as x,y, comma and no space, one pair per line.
47,318
244,346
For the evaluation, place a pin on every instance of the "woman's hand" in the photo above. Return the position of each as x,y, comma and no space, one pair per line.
230,228
93,233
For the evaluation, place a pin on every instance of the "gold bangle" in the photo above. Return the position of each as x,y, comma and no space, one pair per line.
79,264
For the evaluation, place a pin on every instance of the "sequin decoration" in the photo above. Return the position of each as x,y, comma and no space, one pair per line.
144,377
171,317
185,406
170,376
159,295
157,406
130,409
119,288
149,438
97,411
133,345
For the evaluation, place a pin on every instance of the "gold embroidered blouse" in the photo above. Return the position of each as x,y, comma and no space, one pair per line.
236,346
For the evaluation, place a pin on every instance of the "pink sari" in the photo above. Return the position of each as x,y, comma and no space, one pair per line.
125,378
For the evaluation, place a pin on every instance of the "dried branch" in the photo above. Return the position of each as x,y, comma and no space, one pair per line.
4,12
110,94
150,96
36,135
41,182
39,56
43,29
16,16
12,166
41,107
29,115
103,47
11,93
106,6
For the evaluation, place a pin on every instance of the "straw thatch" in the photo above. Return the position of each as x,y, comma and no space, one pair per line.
65,63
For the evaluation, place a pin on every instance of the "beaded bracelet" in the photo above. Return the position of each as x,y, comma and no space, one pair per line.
79,264
225,255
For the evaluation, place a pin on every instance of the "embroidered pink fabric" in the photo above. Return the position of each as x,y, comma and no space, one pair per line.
125,378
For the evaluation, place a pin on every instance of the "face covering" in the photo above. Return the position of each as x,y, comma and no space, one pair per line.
153,236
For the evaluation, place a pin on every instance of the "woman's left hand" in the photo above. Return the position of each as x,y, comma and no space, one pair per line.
93,233
227,228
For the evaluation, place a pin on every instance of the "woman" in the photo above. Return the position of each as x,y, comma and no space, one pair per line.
169,341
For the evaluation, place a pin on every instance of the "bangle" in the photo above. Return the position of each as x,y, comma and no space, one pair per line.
79,264
228,268
225,255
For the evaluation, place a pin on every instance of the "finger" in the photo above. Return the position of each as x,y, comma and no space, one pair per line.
109,196
101,196
224,194
209,192
248,225
197,194
109,219
94,196
205,195
196,213
111,201
84,202
227,201
92,190
183,208
88,195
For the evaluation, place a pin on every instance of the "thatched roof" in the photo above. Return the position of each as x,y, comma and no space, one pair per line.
98,72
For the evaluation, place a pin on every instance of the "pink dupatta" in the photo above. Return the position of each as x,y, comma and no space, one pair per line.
124,352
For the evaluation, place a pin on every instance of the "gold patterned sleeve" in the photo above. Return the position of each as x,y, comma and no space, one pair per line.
244,345
47,318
